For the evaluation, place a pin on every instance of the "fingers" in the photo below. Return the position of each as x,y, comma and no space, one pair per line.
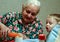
3,34
20,34
3,30
0,34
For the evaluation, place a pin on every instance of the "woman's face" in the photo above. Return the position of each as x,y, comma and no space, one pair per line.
50,23
29,13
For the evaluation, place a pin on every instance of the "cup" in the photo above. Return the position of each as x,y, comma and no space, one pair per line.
42,37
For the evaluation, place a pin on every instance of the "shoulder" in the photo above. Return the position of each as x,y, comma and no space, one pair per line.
11,14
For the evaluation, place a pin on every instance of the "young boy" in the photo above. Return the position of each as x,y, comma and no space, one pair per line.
53,27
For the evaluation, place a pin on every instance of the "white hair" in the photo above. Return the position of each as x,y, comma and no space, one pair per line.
33,2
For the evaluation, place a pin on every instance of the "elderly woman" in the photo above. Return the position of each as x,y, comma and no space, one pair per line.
24,22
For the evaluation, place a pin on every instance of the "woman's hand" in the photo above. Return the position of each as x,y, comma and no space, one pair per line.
3,30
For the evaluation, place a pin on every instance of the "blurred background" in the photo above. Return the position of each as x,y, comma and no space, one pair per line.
47,7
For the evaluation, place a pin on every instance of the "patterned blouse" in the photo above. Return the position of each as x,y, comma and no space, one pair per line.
13,20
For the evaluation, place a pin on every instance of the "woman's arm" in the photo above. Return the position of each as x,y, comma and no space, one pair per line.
3,29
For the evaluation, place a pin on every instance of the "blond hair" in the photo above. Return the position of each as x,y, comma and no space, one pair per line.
56,17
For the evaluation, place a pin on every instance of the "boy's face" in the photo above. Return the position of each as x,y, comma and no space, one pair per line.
29,13
50,23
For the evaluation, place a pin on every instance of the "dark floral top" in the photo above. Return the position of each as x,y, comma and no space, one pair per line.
13,20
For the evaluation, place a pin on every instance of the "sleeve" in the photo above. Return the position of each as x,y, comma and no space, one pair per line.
7,20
